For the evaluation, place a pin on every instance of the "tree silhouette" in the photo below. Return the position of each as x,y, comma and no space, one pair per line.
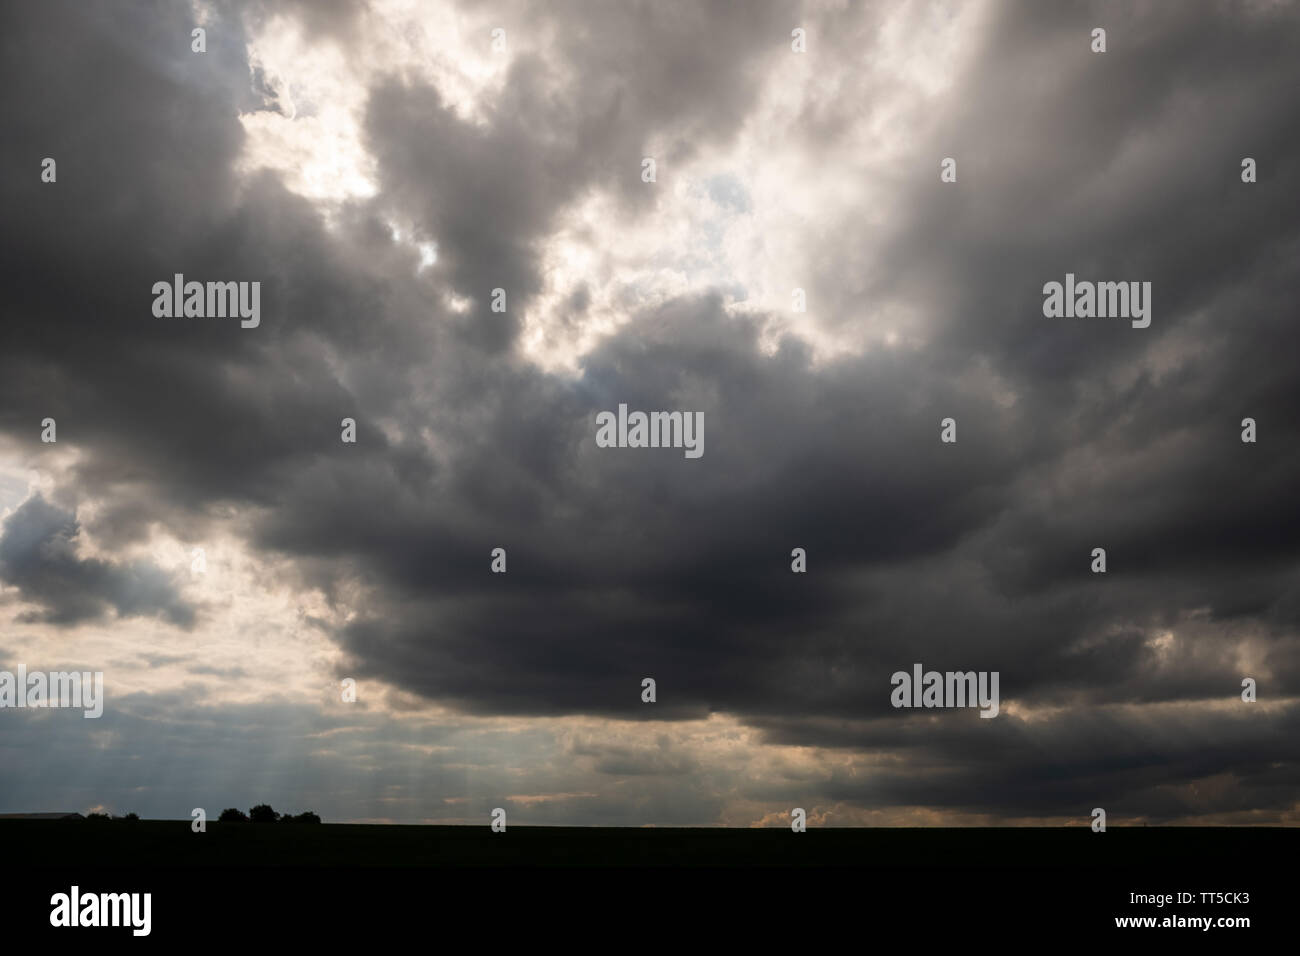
305,817
262,813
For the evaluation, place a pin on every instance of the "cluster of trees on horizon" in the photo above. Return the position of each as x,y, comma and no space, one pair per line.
263,813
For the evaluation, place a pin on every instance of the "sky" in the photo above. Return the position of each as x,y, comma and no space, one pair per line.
381,168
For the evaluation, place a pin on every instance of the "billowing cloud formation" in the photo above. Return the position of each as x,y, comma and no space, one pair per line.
38,555
775,170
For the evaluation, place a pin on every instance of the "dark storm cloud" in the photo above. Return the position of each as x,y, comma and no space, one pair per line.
487,191
38,555
623,563
1134,763
146,189
664,570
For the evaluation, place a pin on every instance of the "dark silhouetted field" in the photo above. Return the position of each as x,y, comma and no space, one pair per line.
171,843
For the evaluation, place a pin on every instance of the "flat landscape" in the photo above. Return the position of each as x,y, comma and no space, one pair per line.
168,843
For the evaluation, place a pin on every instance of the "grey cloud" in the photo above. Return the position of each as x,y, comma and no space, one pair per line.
38,555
